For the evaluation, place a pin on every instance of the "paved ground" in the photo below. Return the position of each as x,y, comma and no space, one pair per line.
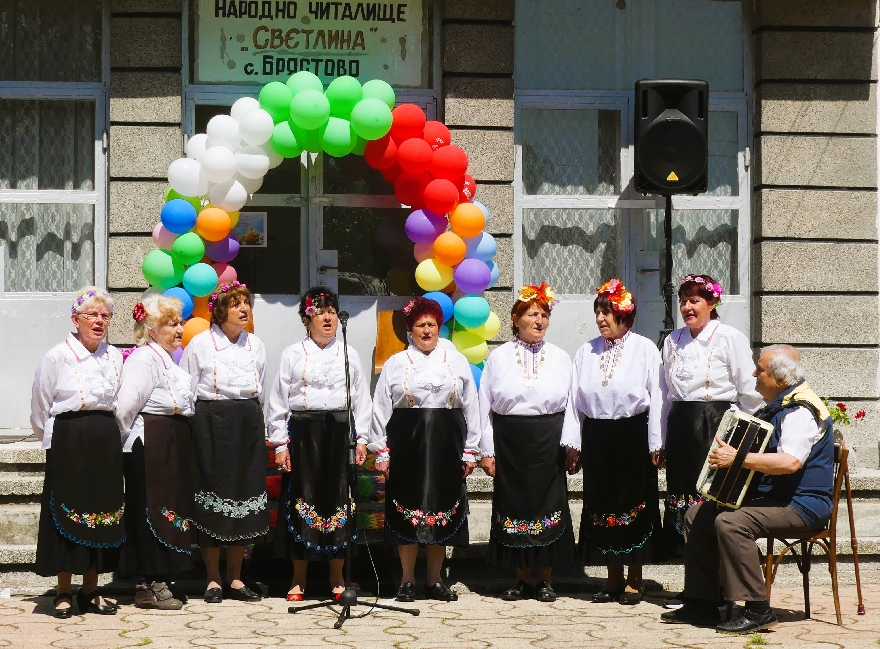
476,621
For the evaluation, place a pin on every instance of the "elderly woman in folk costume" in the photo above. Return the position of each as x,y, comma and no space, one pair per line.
308,424
707,368
228,369
81,514
155,404
613,418
523,392
426,427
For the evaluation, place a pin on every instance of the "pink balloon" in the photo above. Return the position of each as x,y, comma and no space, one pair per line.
162,237
224,250
225,273
423,251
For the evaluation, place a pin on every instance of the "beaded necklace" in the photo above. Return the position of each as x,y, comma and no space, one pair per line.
610,357
536,365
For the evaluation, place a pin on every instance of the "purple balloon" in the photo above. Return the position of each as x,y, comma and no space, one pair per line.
177,354
423,226
162,237
223,250
472,276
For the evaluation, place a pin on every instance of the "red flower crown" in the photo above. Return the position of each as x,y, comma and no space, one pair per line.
542,292
615,292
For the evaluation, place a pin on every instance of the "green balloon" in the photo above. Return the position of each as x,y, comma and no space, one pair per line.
275,99
195,201
378,89
284,142
338,139
309,140
304,81
371,118
161,269
360,147
188,248
343,93
309,109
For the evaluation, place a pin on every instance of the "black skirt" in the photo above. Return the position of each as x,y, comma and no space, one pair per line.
82,522
620,521
531,524
691,427
159,499
315,509
426,495
229,446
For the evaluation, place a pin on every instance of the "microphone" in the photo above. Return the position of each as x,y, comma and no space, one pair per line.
343,317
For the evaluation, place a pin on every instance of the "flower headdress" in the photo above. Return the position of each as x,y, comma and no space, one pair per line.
615,292
139,312
223,289
543,292
82,300
409,306
311,309
713,287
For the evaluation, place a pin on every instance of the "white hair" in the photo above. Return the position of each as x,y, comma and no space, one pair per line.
159,309
89,295
784,364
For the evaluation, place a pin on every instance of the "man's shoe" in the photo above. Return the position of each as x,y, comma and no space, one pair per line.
520,590
406,592
748,622
697,614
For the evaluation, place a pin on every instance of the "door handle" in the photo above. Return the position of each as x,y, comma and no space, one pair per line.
647,270
324,269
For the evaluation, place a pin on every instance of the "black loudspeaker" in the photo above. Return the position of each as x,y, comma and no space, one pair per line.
671,136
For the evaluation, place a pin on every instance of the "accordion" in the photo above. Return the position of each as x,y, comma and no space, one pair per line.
746,434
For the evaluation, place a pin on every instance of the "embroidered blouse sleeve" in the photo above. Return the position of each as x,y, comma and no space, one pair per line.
189,363
383,408
279,403
741,366
139,376
361,404
655,394
43,392
487,439
574,418
666,407
471,406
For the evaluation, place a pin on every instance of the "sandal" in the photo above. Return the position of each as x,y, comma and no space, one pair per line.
337,596
296,597
63,613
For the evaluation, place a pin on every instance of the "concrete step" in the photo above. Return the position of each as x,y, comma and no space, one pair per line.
18,555
22,452
17,483
19,523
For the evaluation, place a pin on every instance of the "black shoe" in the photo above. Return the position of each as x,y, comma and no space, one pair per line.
87,603
244,594
440,591
520,590
697,614
63,613
213,595
631,599
406,592
748,622
607,596
544,593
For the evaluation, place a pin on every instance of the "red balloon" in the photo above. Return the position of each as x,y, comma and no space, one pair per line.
407,120
467,189
410,189
441,196
449,162
414,156
381,153
436,134
392,173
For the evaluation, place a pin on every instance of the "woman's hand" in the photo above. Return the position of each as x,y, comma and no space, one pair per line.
360,454
488,464
282,461
658,457
382,467
572,461
467,468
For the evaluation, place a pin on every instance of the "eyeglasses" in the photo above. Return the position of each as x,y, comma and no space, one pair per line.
91,316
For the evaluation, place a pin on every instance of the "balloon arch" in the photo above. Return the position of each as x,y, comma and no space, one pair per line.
225,165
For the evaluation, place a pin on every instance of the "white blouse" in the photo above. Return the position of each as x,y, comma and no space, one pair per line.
311,378
151,383
70,378
412,379
521,379
717,365
614,381
222,369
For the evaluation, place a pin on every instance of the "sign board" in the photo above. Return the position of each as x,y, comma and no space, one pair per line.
251,230
257,41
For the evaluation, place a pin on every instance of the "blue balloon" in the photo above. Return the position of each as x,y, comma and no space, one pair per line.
178,216
478,373
496,274
443,300
184,297
444,332
471,311
482,247
200,279
482,207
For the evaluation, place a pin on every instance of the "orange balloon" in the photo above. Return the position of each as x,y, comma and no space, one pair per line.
449,249
200,308
249,327
467,220
213,224
193,327
449,290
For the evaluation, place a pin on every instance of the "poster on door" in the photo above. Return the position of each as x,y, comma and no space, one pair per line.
251,229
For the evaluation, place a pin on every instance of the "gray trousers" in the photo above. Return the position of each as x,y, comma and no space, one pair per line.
720,549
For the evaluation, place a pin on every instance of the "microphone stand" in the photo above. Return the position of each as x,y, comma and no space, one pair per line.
349,597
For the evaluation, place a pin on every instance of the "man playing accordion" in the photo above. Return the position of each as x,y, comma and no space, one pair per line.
791,492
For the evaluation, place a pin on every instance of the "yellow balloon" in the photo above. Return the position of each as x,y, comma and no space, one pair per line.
471,345
233,216
431,275
489,329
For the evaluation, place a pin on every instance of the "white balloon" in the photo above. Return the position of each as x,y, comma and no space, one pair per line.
218,164
195,147
275,158
223,131
242,106
252,185
252,161
187,177
256,126
230,196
